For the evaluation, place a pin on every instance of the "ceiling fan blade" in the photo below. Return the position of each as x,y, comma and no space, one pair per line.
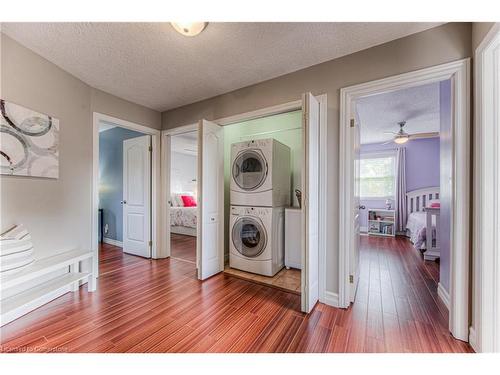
390,133
386,143
424,135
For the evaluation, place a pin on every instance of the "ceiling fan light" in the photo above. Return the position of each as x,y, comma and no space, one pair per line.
401,139
189,28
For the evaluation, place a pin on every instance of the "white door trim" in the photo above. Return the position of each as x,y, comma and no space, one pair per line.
155,183
459,73
327,297
485,329
165,207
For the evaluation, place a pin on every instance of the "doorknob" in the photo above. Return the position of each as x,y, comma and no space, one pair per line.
361,207
123,202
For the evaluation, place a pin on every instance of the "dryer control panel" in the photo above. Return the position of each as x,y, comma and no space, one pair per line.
251,211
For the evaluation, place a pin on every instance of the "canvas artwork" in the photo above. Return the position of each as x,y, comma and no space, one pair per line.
29,142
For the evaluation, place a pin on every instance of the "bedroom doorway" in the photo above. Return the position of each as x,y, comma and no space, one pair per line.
124,191
384,274
183,195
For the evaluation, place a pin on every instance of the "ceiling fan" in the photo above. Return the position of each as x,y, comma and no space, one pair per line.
402,136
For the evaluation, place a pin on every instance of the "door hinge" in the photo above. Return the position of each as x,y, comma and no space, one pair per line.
150,148
352,123
150,243
351,279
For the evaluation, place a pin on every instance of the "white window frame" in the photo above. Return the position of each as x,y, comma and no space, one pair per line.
380,155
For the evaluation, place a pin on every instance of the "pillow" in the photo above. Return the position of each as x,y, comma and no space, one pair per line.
434,203
16,250
188,201
177,200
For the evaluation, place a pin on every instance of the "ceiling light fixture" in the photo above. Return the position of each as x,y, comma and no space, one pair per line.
400,139
401,136
189,28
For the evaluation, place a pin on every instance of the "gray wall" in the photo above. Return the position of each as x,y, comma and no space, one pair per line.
111,178
479,31
435,46
57,212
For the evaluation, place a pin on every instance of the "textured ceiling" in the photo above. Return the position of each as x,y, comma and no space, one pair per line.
418,106
152,65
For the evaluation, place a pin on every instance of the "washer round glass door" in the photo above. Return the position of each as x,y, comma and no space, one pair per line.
249,237
249,170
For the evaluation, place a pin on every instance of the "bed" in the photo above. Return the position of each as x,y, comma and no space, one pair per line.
183,219
422,219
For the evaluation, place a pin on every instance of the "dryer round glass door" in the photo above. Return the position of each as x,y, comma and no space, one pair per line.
249,170
249,237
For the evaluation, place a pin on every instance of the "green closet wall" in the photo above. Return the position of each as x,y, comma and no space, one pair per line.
285,128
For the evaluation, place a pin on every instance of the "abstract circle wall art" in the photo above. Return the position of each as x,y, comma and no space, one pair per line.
29,142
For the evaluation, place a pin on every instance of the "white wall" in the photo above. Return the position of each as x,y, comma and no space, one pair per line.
183,173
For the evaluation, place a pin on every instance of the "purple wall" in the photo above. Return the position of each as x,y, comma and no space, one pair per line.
422,168
445,186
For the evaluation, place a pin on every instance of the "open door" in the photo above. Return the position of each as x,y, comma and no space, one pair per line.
210,243
137,196
310,206
355,234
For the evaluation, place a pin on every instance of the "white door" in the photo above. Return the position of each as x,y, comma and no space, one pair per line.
137,196
310,206
355,235
210,243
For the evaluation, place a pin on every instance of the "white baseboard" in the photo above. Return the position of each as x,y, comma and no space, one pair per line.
473,339
112,242
444,295
331,299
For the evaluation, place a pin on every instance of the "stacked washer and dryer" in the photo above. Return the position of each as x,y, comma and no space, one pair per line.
259,192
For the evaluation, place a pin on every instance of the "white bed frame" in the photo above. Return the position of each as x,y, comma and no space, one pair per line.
416,201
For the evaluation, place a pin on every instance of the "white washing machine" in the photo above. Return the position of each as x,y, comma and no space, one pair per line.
256,239
260,173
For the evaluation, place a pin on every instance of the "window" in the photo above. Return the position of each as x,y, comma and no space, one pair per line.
377,176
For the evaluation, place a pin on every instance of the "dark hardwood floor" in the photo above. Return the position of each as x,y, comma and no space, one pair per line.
183,247
158,306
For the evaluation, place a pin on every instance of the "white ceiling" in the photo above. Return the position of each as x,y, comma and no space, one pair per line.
418,106
186,143
152,65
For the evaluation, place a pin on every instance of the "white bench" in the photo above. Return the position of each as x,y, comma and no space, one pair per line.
18,304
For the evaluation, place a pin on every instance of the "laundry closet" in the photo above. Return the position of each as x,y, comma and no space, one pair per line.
262,191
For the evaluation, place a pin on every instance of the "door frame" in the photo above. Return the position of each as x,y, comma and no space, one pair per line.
327,297
459,73
165,214
155,183
485,329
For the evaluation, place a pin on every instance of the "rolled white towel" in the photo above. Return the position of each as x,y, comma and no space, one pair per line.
16,250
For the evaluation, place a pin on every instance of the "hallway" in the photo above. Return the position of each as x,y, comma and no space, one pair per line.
143,305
